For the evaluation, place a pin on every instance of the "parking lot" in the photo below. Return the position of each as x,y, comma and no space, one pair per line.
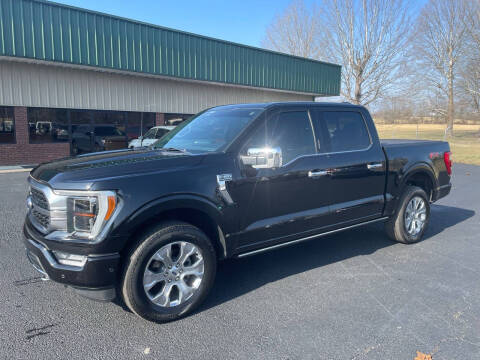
352,295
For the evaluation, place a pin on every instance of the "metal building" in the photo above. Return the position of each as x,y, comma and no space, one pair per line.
62,67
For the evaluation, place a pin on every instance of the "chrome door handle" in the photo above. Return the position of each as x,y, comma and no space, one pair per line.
374,166
315,174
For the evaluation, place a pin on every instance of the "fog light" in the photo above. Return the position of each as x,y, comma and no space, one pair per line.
70,259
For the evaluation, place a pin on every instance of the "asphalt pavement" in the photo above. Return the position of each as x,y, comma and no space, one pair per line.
352,295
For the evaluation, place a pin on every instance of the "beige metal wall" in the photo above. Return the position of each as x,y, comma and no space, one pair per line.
45,85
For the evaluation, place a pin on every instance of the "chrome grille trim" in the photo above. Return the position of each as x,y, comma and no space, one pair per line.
48,210
38,198
41,219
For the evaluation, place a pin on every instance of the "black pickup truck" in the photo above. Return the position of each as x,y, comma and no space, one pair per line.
149,225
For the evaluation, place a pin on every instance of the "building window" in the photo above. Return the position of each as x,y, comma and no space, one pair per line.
138,124
48,125
7,125
176,119
86,130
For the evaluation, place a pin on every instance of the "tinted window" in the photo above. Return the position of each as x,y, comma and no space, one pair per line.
138,124
346,131
47,125
107,131
290,131
7,125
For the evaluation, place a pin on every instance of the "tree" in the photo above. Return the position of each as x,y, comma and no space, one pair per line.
470,67
295,31
367,37
439,42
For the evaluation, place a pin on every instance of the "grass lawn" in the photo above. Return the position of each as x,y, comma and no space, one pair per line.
465,143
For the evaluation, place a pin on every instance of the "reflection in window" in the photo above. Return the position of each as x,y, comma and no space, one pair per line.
289,131
7,125
346,131
47,125
138,124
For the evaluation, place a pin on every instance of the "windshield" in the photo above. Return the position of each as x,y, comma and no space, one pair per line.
209,131
150,134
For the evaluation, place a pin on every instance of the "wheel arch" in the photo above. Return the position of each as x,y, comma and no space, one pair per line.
421,175
190,209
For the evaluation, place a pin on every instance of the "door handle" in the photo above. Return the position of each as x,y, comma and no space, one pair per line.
315,174
374,166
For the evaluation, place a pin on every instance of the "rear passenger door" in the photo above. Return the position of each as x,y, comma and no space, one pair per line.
355,165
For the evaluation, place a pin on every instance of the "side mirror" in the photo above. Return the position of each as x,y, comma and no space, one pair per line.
263,158
140,138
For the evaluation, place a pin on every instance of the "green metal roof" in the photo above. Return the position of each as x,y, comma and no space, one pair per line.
49,31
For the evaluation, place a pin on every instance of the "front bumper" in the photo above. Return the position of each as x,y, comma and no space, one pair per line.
96,278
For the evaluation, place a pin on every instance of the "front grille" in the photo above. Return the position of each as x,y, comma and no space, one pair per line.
40,218
39,198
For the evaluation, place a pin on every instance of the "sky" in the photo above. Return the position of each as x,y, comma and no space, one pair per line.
241,21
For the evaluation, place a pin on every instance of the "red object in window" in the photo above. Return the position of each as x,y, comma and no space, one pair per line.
448,161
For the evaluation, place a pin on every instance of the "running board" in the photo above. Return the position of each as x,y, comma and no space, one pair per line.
277,246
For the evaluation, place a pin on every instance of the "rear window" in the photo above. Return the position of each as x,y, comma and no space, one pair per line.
346,131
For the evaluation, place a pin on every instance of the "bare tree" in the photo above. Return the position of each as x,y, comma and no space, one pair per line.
295,31
367,37
470,68
440,39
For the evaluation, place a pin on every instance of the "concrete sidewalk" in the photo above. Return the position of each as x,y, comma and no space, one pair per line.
15,168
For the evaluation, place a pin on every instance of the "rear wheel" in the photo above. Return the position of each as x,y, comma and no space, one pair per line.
410,220
170,272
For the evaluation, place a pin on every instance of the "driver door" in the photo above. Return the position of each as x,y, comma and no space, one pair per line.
278,204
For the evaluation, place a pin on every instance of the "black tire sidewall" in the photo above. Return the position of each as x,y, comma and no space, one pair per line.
133,280
413,192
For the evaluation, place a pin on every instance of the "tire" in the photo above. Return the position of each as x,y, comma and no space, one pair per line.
396,226
168,236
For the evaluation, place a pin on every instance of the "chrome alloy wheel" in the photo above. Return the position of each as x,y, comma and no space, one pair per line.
415,215
173,274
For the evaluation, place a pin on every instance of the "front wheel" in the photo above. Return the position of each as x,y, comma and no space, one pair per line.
170,272
411,218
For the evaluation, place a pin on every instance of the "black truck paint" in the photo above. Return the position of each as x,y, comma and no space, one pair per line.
269,207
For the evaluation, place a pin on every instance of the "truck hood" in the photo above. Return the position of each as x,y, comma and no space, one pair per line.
82,172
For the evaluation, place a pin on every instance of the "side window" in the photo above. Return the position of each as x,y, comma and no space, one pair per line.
290,131
160,133
346,131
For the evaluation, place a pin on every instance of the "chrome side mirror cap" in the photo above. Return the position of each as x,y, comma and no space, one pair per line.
263,158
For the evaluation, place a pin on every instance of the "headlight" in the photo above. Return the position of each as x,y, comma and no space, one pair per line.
88,215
